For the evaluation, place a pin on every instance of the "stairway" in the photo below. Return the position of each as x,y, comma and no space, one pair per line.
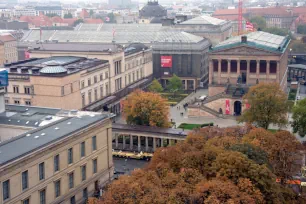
215,113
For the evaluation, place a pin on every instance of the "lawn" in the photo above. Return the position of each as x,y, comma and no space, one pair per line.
189,126
173,99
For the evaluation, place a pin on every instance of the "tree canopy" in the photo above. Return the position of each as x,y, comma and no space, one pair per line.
146,108
155,86
277,31
301,29
299,118
68,15
268,105
175,84
200,171
259,22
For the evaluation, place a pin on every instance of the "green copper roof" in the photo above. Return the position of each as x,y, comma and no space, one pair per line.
259,39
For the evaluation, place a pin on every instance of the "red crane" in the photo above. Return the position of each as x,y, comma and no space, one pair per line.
240,17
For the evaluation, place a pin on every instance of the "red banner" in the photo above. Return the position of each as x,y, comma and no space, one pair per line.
227,107
166,61
26,55
247,106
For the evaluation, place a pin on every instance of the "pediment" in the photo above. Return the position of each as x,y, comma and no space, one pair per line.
243,50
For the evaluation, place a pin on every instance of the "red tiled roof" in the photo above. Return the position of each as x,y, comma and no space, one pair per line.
7,38
37,21
57,19
299,10
69,21
229,17
282,11
84,14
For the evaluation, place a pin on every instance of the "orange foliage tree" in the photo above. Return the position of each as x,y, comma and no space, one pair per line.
203,169
146,108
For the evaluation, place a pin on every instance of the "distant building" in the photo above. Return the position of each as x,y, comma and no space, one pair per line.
57,10
14,25
24,11
152,12
97,77
184,55
235,23
8,49
119,3
53,155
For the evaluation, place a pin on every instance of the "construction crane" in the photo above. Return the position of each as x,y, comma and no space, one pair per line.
240,3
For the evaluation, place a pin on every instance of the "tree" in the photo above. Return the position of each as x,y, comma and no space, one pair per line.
146,108
91,12
277,31
268,105
299,118
111,17
175,84
301,29
155,86
259,22
68,15
78,22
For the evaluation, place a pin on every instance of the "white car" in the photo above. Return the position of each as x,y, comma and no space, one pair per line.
202,97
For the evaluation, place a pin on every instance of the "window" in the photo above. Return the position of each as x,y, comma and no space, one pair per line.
6,189
24,180
101,91
41,169
85,194
137,74
28,103
6,101
118,67
94,166
106,75
83,100
71,180
133,76
26,201
72,200
82,84
63,90
83,149
57,188
70,156
101,77
89,82
89,97
83,170
96,94
16,89
129,78
95,79
16,101
118,84
94,143
27,90
106,89
56,163
42,196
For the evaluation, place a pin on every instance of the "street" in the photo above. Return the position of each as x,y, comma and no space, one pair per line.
302,93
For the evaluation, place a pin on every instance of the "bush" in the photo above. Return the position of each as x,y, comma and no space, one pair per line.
292,94
189,126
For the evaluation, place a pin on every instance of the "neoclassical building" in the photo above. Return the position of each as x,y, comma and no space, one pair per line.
241,62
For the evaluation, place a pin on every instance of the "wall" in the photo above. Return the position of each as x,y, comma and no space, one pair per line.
103,154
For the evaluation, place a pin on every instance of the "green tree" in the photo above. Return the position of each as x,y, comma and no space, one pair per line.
155,86
91,12
146,108
68,15
277,31
268,105
301,29
299,118
175,84
259,22
78,22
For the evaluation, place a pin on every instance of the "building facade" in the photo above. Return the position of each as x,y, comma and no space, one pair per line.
42,167
244,61
24,11
8,49
186,58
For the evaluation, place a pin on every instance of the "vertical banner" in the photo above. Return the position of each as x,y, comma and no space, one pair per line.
227,107
27,55
247,106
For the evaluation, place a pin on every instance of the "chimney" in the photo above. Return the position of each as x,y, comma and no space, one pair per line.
244,39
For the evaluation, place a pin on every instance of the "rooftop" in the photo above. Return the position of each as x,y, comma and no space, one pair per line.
204,20
298,66
259,39
53,66
48,121
6,38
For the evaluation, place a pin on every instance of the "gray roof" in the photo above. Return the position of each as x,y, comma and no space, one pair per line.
53,70
204,20
182,37
298,66
258,39
97,47
120,27
43,135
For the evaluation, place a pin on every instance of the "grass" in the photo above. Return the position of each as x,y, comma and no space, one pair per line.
189,126
292,94
273,130
173,99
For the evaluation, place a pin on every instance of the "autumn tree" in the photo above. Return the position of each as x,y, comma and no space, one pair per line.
268,105
146,108
299,118
175,84
155,86
259,22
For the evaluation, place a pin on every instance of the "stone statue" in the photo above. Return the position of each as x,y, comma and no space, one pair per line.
239,79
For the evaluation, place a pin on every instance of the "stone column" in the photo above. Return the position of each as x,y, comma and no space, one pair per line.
238,67
161,142
123,142
116,140
147,144
154,144
268,70
139,144
211,71
219,71
248,72
229,69
131,142
277,72
185,84
257,69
